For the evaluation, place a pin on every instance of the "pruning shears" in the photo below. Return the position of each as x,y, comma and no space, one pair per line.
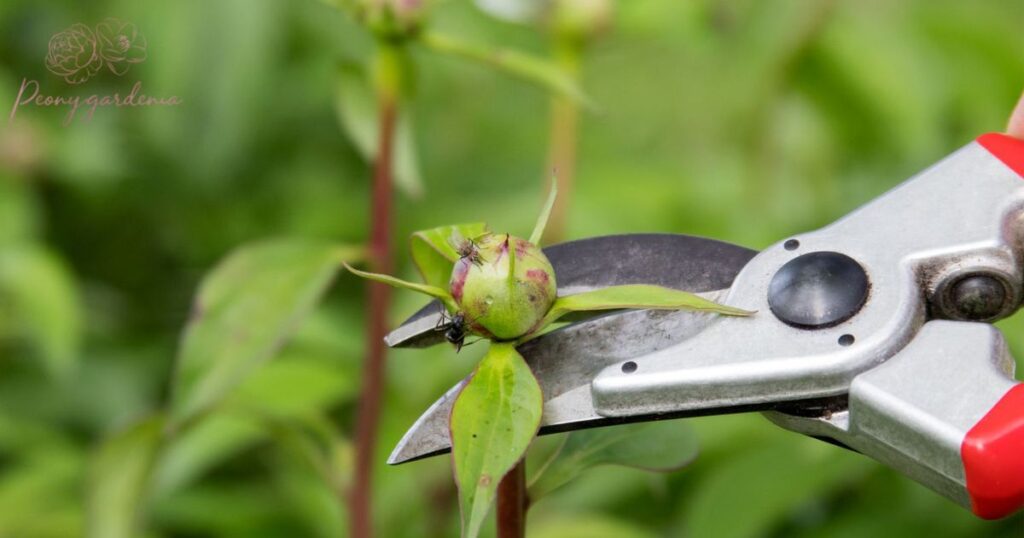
873,333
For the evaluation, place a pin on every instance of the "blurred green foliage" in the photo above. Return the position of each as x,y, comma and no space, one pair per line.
743,120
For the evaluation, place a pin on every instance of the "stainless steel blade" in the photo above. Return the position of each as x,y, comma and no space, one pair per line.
685,262
566,360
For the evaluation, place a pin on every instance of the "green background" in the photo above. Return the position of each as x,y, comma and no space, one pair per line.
745,121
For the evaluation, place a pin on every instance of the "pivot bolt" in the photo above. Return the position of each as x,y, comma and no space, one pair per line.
978,297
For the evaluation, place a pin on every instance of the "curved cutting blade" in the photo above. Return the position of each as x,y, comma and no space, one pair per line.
677,261
565,361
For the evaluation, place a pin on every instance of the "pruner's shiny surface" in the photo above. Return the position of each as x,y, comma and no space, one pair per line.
566,360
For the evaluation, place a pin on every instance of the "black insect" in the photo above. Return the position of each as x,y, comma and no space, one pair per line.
456,331
466,248
454,328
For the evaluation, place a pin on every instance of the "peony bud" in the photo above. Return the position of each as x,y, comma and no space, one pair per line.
504,287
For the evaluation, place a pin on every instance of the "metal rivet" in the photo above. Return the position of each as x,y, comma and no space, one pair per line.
846,340
628,367
818,290
978,297
792,244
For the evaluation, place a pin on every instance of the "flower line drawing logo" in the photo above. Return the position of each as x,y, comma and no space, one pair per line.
79,53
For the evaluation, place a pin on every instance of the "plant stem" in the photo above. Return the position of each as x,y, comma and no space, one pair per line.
562,138
378,299
513,62
512,503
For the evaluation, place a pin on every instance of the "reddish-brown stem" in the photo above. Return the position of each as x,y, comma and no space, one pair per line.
512,503
378,299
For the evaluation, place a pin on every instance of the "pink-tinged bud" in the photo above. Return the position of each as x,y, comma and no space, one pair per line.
505,287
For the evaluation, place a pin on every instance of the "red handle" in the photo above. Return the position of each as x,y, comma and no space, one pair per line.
993,450
1005,148
993,456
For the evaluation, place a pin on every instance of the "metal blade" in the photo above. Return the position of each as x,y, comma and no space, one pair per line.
565,361
681,261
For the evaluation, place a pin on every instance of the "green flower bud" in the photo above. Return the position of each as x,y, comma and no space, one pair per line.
504,286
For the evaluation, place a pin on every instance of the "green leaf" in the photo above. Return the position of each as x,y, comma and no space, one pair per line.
315,442
356,108
660,446
637,296
237,507
433,291
545,213
194,451
244,312
311,474
118,477
220,436
295,385
434,253
300,381
38,290
40,491
530,68
21,434
494,418
768,482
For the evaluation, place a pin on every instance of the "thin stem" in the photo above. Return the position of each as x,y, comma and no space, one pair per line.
513,62
512,503
562,138
378,299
